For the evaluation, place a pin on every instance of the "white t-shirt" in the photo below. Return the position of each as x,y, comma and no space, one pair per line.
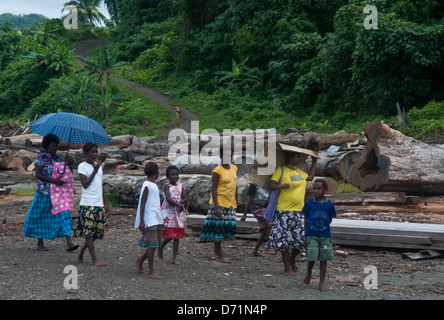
93,195
152,215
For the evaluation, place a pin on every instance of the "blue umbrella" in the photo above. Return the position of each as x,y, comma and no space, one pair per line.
71,128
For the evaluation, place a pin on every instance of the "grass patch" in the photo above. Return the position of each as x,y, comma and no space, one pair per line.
113,200
25,190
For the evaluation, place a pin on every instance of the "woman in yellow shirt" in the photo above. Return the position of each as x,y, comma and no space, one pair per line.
287,234
220,223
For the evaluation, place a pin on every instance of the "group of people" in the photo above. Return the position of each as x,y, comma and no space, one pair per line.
49,215
295,224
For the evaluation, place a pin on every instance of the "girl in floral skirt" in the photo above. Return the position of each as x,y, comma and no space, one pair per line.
173,212
93,206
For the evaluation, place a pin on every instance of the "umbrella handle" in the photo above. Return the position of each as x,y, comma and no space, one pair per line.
64,169
69,143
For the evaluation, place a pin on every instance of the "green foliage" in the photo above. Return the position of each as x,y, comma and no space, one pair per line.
249,63
78,94
137,116
423,121
10,41
20,22
19,84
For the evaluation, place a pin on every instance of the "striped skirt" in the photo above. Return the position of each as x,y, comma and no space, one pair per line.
218,229
42,224
287,233
151,237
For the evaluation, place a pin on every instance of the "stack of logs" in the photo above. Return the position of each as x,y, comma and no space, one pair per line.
383,159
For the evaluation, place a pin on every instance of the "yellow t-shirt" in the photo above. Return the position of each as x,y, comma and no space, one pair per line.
226,188
291,199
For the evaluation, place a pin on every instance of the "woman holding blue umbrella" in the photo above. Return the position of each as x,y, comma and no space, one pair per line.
40,223
68,127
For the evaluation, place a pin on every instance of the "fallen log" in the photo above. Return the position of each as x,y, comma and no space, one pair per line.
21,140
317,141
392,161
8,162
147,147
122,141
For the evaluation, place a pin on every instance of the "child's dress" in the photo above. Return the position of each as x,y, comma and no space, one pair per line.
174,217
62,197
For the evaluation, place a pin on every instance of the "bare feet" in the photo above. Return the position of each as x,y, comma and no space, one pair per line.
322,287
98,263
175,262
139,263
256,254
224,260
289,273
153,276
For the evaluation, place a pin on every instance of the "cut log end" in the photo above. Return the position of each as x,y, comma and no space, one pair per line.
392,161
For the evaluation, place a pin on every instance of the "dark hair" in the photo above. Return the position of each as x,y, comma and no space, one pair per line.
171,168
88,146
225,146
323,181
48,139
289,155
151,168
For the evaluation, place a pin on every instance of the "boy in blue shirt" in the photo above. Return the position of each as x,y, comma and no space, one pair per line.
318,213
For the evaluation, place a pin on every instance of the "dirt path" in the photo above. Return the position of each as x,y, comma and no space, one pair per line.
181,116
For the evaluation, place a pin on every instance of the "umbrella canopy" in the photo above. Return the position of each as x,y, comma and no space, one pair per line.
71,128
262,180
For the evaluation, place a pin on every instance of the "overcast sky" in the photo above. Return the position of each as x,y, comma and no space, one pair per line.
49,8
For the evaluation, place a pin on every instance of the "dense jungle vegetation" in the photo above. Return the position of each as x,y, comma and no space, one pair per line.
241,64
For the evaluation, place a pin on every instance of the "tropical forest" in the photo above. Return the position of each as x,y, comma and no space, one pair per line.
321,65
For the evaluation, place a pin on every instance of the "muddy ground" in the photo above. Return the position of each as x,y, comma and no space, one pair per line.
27,274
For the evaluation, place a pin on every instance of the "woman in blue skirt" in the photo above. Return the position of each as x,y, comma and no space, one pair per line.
40,223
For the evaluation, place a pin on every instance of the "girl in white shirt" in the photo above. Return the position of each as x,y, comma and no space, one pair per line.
93,206
149,219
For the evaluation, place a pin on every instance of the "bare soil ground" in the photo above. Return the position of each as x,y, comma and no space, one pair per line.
28,274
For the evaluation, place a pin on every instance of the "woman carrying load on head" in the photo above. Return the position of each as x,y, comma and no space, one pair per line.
287,234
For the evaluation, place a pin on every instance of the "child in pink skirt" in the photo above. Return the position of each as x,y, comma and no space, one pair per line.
173,212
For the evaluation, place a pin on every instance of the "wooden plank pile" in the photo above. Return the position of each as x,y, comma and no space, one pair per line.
371,233
387,234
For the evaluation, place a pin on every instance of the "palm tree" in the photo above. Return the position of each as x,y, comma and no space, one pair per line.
105,65
77,93
87,11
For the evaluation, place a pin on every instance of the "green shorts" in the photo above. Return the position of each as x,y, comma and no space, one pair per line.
319,249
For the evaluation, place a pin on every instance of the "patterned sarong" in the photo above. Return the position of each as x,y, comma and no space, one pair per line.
218,229
287,233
